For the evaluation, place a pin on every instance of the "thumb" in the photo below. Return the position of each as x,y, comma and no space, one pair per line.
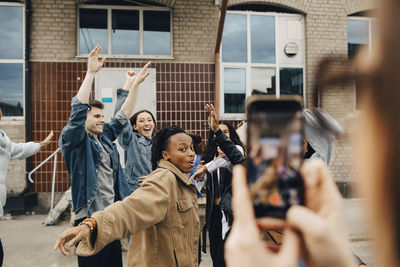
305,220
291,245
241,202
102,61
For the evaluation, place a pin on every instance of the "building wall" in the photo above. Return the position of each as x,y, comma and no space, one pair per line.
183,89
185,83
195,25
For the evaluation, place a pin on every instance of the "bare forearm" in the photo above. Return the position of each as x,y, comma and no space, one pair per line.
129,104
86,87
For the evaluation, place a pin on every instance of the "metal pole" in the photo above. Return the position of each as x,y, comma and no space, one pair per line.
54,181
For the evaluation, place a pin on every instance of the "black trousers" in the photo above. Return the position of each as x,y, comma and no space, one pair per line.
215,236
1,254
109,256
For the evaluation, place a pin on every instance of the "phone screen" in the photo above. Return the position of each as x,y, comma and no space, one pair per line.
275,154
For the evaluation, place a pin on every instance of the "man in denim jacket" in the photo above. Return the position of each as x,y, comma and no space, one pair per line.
92,159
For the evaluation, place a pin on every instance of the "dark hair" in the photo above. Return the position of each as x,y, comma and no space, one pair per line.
211,148
97,104
133,119
160,142
197,143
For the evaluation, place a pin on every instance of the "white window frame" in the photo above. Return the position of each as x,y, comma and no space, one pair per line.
109,9
19,61
370,20
248,65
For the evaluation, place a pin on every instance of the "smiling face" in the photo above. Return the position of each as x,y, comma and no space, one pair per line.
94,121
144,124
225,129
180,152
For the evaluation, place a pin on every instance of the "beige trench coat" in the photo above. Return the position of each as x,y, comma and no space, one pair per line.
161,217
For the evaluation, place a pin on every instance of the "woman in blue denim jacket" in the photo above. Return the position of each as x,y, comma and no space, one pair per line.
136,138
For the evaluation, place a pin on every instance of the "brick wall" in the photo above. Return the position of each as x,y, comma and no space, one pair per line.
182,92
185,83
195,25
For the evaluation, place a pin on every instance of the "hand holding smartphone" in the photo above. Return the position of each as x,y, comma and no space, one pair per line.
275,154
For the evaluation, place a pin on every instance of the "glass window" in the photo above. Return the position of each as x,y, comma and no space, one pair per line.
12,60
361,32
235,90
11,32
254,60
92,29
11,89
234,44
291,81
133,31
262,39
357,35
156,33
263,81
125,32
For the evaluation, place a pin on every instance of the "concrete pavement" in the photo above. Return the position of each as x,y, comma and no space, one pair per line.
27,242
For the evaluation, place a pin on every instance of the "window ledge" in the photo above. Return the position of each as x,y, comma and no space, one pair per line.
129,56
233,117
12,120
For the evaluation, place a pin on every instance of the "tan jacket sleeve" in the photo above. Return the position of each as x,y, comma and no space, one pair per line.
145,207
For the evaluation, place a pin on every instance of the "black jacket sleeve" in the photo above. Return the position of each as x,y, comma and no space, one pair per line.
229,148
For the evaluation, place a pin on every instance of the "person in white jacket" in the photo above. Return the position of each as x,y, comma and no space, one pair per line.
10,150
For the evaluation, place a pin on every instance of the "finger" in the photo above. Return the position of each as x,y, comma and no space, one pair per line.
76,239
267,223
60,245
57,243
64,250
241,203
130,73
290,249
305,220
320,188
147,65
50,136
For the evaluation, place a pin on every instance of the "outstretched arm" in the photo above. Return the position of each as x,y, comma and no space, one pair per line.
94,65
234,155
25,150
129,104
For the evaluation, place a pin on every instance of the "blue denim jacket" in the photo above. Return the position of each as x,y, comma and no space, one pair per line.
82,157
137,149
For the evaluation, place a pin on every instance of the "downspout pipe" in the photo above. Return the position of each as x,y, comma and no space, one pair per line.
217,54
28,128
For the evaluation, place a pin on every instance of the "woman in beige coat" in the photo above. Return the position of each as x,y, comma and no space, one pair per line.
161,216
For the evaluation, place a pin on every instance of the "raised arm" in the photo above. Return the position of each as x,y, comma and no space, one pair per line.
94,65
74,132
129,104
229,148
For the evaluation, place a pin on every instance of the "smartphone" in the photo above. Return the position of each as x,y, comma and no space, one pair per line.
275,141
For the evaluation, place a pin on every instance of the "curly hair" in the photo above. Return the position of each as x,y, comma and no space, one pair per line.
160,143
210,150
